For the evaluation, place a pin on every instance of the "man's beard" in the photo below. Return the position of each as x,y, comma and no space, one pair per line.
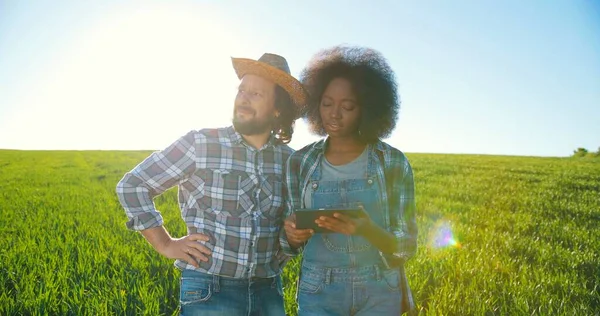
253,126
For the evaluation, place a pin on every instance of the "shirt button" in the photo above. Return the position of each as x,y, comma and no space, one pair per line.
315,185
370,181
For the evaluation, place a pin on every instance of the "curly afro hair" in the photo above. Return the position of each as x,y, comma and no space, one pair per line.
373,82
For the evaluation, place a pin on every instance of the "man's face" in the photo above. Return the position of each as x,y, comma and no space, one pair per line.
254,110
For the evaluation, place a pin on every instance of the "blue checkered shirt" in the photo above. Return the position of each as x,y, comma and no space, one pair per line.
228,190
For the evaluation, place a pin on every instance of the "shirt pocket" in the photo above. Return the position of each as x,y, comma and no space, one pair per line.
273,190
224,191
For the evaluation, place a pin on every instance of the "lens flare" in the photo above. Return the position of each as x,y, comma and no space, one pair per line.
441,236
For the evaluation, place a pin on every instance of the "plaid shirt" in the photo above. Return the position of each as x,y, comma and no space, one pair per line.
228,190
396,180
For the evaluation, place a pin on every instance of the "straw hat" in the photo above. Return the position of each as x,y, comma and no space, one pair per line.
275,68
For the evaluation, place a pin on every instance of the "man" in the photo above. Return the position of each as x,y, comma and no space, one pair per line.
230,195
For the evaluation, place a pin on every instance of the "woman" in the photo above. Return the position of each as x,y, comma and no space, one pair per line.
358,268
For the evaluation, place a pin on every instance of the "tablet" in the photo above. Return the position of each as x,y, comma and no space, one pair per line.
305,218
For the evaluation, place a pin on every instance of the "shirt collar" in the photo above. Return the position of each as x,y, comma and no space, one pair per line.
320,145
238,139
234,135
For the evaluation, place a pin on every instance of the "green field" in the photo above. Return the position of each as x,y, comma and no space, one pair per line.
526,237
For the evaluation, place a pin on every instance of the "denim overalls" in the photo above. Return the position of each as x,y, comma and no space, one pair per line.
344,275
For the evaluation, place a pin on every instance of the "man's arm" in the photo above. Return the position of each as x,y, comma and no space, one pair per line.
156,174
290,238
186,248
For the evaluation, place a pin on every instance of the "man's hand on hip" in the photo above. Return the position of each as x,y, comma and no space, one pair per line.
188,248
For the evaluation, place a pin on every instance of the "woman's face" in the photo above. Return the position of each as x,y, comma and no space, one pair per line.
339,109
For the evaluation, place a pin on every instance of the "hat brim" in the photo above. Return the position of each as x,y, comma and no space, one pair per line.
293,87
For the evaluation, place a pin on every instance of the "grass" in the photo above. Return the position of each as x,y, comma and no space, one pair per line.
524,237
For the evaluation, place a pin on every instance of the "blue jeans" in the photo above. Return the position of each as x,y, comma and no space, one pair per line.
349,291
205,294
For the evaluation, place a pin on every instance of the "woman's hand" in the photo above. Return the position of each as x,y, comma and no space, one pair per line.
296,237
346,225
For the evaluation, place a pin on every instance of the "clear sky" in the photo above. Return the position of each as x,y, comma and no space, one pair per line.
486,77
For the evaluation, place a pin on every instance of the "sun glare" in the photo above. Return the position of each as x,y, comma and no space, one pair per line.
136,80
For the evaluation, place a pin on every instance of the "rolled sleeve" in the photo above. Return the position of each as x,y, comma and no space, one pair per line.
136,199
156,174
144,221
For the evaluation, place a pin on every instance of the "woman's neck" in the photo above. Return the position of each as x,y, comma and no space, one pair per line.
341,150
345,144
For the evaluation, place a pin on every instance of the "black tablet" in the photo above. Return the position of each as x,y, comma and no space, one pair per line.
305,218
